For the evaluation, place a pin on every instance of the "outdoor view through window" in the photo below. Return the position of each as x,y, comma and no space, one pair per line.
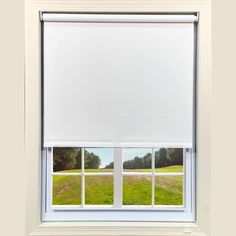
150,176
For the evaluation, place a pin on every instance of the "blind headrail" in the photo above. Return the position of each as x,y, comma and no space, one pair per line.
119,18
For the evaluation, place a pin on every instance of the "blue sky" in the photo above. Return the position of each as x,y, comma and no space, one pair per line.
106,154
130,153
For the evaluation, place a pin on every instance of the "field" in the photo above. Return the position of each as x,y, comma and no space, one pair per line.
176,169
136,189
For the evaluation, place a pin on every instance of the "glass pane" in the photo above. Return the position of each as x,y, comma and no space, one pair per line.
99,190
137,190
137,159
169,160
66,190
98,159
168,190
66,159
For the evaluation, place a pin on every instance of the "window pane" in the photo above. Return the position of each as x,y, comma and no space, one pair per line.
99,190
137,190
66,159
66,190
168,190
98,159
137,159
169,160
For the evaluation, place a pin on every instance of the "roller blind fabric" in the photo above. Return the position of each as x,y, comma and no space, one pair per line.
111,83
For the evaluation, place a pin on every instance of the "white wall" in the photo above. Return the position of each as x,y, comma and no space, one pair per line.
223,179
12,197
12,162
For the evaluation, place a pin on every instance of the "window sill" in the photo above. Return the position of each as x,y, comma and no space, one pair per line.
117,228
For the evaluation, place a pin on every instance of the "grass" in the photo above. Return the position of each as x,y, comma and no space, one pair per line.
99,190
168,190
136,189
66,190
98,170
175,168
86,170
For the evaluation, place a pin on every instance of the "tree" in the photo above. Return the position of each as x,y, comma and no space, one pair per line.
139,162
161,159
147,161
91,161
110,166
78,160
175,156
64,158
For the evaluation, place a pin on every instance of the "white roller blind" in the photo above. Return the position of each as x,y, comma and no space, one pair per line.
117,83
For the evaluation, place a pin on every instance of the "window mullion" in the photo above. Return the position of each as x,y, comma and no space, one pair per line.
82,179
184,178
153,177
50,179
188,186
118,169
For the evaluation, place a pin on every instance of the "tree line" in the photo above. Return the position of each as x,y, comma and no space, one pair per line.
70,158
163,157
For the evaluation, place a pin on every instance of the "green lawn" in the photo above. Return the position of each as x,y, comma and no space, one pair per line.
98,170
175,168
66,190
86,170
99,190
136,189
168,190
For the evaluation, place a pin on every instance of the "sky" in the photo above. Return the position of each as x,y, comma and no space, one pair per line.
130,153
106,154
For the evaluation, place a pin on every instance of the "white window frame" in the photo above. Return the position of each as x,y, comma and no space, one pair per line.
117,212
34,225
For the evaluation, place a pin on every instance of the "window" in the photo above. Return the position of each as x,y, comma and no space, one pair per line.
127,179
118,117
